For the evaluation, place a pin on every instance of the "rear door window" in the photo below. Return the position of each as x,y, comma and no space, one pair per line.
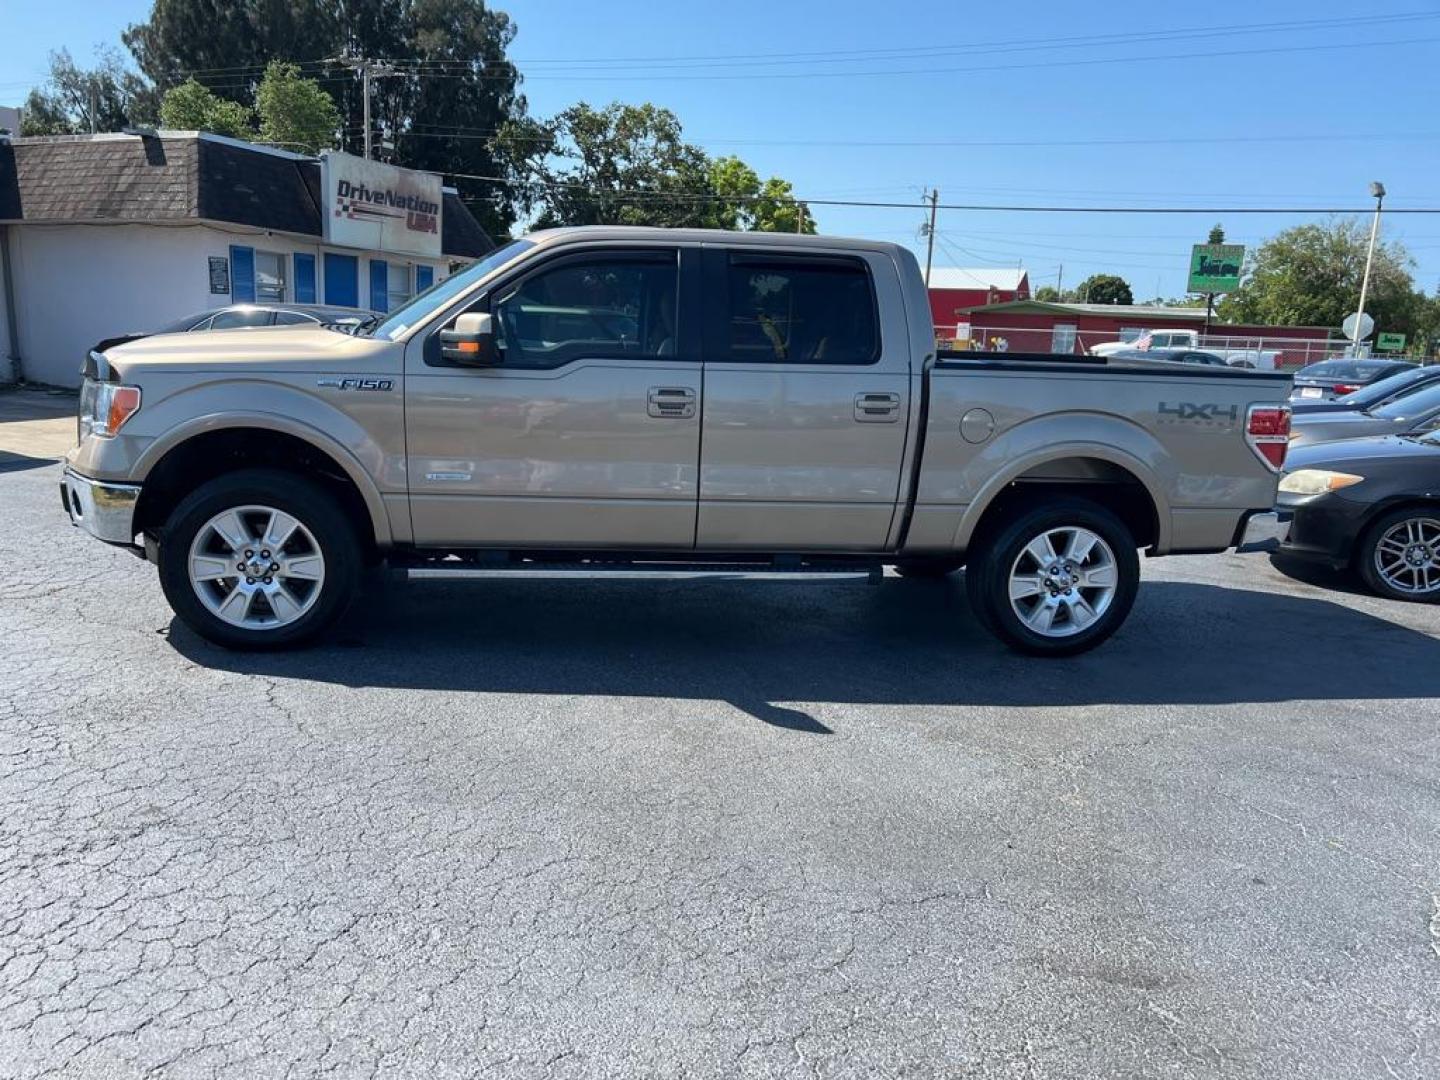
792,309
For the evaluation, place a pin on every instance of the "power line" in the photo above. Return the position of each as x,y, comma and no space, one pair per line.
663,76
975,207
421,69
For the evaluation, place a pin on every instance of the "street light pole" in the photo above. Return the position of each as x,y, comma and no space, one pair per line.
1377,189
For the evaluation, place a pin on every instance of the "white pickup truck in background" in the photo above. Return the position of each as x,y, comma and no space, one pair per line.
1256,359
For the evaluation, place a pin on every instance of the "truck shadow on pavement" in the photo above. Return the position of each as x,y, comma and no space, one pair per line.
758,644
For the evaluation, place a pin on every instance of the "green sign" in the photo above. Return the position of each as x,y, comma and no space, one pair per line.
1390,342
1215,268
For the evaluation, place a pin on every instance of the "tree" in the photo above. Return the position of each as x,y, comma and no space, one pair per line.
294,112
743,202
74,100
1309,275
441,107
630,165
191,107
1048,294
623,165
1217,234
1104,289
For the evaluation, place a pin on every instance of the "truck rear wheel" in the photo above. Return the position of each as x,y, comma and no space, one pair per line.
1055,580
259,559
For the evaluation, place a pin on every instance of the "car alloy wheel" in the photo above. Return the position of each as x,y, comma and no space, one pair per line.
1063,581
256,567
1406,556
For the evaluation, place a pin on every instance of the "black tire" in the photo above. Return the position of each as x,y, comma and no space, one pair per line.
1365,555
314,507
987,577
930,569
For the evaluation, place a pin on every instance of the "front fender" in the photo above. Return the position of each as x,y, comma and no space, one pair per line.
374,505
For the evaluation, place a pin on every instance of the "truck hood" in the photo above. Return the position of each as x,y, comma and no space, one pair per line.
269,348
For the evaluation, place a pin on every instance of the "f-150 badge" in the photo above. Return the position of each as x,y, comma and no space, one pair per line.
357,384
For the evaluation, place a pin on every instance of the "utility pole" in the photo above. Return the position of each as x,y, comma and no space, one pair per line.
367,69
93,105
799,216
934,198
1060,285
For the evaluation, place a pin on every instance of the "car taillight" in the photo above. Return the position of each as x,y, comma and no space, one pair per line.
1267,430
1341,389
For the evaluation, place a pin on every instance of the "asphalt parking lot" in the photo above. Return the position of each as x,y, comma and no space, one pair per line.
721,828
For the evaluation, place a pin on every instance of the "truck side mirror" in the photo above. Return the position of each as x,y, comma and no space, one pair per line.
471,341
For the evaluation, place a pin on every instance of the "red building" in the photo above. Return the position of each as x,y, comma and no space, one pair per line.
1035,326
954,290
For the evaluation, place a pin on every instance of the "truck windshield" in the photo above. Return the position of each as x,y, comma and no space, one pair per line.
439,294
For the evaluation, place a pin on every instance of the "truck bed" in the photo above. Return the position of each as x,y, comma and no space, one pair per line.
1073,363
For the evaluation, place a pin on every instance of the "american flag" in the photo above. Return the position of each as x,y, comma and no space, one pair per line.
1142,342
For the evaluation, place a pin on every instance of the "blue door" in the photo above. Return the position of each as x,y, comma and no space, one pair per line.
424,277
342,280
304,278
379,285
242,274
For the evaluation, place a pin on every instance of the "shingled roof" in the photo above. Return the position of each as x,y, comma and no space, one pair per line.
176,177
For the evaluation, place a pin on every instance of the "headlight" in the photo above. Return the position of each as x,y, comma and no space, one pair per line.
104,407
1316,481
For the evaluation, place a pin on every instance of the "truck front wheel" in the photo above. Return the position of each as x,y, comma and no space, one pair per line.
1055,580
259,559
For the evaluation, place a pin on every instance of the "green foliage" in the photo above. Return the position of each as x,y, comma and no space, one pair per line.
236,40
1217,234
191,107
630,165
1310,276
1104,289
295,113
1048,294
74,100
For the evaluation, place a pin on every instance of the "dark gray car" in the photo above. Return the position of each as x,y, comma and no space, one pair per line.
1412,414
1372,396
240,316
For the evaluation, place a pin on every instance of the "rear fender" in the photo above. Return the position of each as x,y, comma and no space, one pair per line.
1056,437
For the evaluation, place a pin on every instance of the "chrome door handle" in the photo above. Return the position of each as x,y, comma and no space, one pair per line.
671,402
877,408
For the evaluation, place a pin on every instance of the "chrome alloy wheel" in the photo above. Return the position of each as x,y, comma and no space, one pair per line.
1063,581
256,567
1407,556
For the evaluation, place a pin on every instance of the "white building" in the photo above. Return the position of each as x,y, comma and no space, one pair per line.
103,235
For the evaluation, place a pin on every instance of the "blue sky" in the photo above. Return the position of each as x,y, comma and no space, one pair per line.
1120,104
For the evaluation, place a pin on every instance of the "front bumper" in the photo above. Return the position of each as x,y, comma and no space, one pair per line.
1263,530
1326,527
105,510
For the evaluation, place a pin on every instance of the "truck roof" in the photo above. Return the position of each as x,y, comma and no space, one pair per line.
713,236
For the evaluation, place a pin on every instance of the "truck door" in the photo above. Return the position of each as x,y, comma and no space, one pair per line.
806,401
587,433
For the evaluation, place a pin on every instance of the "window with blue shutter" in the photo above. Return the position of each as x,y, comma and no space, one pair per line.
342,280
304,278
424,278
242,274
379,285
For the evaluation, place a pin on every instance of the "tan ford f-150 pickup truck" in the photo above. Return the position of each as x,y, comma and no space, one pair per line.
663,400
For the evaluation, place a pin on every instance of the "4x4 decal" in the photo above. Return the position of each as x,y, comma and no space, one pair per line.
1209,413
